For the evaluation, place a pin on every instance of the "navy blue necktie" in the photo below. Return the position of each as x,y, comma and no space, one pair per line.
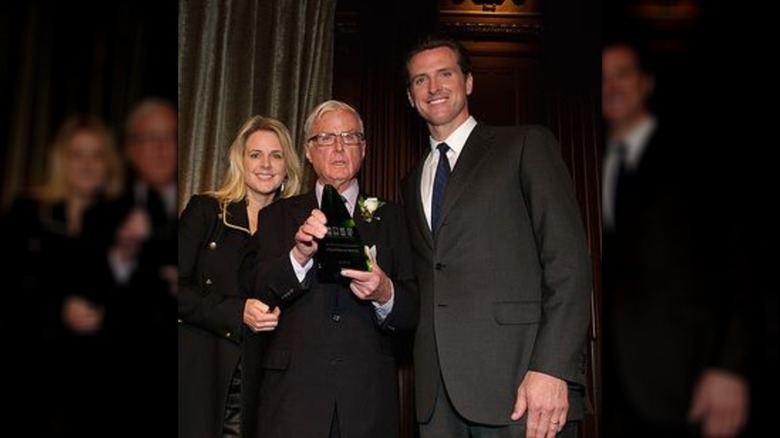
620,180
439,184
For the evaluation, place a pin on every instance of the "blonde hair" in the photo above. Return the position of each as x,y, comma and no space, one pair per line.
54,187
233,188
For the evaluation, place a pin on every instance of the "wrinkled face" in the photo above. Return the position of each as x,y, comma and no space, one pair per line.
85,163
438,89
624,86
339,162
263,163
152,147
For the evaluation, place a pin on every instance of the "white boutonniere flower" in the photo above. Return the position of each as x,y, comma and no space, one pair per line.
368,206
371,254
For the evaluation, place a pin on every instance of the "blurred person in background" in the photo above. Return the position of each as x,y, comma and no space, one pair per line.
148,201
118,317
151,150
151,155
677,329
84,167
213,231
122,302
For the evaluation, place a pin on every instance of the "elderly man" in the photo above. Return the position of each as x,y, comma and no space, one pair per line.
329,368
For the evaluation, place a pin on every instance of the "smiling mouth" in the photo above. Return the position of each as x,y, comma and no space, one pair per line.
265,176
437,101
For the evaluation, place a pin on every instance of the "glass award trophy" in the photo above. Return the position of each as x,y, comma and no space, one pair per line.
342,247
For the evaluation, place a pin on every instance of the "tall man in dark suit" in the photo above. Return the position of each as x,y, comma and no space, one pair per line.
329,369
504,272
676,325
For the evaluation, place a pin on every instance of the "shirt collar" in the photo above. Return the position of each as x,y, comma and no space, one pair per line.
637,139
458,138
351,193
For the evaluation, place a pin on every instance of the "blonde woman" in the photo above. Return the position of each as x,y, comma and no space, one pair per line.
42,229
83,167
213,231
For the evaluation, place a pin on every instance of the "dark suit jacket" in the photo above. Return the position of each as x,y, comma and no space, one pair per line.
675,299
505,287
37,254
47,263
136,334
102,219
210,311
329,351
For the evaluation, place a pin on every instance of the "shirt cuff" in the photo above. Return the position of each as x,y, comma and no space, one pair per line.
382,310
300,271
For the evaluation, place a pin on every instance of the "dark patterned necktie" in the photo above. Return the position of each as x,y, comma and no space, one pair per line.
439,184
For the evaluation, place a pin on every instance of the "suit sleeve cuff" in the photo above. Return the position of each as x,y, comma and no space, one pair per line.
301,271
382,310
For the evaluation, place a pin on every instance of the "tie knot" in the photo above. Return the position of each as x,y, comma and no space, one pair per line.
443,148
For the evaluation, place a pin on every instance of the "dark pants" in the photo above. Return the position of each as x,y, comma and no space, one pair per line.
231,426
446,422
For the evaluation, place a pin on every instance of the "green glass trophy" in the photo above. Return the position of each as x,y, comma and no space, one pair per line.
342,247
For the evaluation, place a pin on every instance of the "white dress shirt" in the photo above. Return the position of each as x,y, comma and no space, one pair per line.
456,141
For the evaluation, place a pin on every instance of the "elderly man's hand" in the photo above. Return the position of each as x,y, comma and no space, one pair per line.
373,285
307,236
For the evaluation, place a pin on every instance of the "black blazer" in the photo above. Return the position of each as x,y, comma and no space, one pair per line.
38,253
505,286
675,298
210,311
329,351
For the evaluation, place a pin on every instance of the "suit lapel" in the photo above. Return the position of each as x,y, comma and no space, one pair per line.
365,229
415,179
302,207
237,217
474,151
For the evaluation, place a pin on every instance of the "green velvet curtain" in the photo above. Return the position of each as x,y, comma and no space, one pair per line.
238,58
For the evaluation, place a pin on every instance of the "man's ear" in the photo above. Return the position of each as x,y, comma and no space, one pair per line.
469,84
409,96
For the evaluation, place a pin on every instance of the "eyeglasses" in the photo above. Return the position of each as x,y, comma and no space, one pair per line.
326,139
152,137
